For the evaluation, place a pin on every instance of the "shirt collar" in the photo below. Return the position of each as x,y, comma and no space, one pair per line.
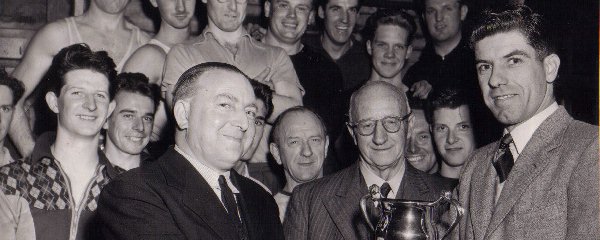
210,175
523,132
372,178
207,34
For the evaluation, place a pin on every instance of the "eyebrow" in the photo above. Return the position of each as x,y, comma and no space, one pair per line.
228,96
517,52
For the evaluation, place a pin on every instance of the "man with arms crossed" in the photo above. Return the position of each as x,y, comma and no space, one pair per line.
191,192
11,91
53,194
129,125
328,208
540,181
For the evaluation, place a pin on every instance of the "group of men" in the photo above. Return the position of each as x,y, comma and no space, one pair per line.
228,99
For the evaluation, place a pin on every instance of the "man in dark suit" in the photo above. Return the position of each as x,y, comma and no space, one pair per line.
191,192
328,208
540,181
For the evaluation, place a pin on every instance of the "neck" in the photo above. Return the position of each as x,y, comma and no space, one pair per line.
395,80
182,143
434,169
104,20
450,171
445,47
170,35
121,159
335,50
75,152
240,167
290,183
289,48
225,37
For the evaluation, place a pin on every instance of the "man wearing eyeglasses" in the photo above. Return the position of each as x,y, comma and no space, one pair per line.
329,207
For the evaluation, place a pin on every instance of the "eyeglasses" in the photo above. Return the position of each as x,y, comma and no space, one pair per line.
390,124
237,1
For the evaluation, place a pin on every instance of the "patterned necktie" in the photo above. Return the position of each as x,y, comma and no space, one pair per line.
231,206
385,189
503,161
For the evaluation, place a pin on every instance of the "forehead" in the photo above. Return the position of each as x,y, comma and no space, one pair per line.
219,82
502,44
6,95
452,115
390,33
349,3
377,104
301,122
435,3
419,121
296,2
86,79
133,101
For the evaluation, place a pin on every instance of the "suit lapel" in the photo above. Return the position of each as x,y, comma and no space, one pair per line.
197,195
413,186
531,162
483,192
344,208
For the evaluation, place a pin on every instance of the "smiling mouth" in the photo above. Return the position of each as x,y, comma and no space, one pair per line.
86,117
135,139
504,97
415,158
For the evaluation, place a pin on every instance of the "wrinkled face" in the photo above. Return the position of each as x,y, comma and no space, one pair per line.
111,6
228,15
303,147
515,83
83,104
419,152
443,18
453,134
382,149
389,50
130,124
217,118
6,110
289,18
177,13
340,18
252,140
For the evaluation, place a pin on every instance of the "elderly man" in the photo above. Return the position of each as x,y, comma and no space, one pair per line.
191,192
328,208
540,181
53,193
103,27
130,124
11,90
300,144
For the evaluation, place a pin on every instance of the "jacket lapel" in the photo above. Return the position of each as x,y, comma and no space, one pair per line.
531,162
413,186
197,195
483,192
344,208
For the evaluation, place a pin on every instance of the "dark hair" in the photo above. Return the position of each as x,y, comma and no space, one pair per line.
313,3
136,83
265,94
445,98
323,4
186,86
297,109
416,103
390,17
75,57
15,86
420,5
510,18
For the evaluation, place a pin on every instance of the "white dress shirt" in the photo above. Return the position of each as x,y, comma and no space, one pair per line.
372,178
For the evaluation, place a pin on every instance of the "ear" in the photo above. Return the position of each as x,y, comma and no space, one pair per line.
351,131
369,48
154,3
321,12
463,12
551,65
408,51
204,1
181,112
311,17
267,8
52,101
275,152
326,144
411,122
111,107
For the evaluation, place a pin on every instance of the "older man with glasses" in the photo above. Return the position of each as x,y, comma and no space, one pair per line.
329,207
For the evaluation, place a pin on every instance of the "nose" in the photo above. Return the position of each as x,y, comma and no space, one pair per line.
232,5
291,13
345,16
180,6
241,120
451,138
138,125
412,145
306,149
90,103
389,53
380,135
496,78
439,16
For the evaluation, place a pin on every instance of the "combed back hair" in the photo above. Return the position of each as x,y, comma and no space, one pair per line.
445,98
137,83
265,94
76,57
420,5
277,128
514,17
15,86
323,3
401,100
392,17
187,86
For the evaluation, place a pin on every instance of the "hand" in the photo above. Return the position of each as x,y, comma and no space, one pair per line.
263,77
256,31
421,89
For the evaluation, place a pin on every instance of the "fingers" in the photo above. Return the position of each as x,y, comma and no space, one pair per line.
421,89
262,77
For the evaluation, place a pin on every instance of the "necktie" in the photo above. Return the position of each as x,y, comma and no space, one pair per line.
385,189
231,206
503,161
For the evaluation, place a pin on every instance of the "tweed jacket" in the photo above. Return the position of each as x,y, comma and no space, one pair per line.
551,192
328,208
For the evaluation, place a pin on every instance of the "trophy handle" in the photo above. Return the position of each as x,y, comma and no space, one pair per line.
459,212
365,212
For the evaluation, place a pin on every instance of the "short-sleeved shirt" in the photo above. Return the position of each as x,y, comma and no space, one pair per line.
252,58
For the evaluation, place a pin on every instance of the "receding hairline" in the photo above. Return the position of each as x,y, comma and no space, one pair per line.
379,87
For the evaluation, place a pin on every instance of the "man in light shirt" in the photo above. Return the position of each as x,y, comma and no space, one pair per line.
540,181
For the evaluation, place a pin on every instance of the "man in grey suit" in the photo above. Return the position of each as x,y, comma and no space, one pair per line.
328,208
540,181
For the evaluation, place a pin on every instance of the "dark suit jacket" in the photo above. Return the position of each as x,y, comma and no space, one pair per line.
551,192
169,199
328,208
